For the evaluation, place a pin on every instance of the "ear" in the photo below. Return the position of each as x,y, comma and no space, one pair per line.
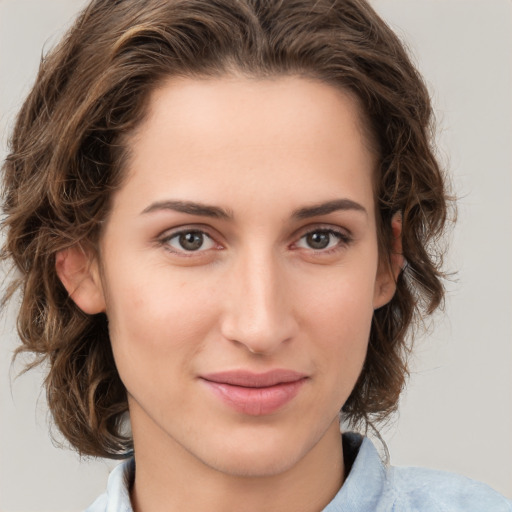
388,271
79,273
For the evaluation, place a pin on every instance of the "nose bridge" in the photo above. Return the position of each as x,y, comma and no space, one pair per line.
258,313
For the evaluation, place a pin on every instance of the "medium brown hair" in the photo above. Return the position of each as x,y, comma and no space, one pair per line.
68,150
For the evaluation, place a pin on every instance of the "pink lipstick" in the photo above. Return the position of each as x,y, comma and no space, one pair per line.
255,394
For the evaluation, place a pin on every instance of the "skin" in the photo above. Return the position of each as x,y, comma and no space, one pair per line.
256,295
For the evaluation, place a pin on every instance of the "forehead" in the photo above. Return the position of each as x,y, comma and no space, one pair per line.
288,101
231,137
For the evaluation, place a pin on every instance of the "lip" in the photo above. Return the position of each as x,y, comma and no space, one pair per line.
255,394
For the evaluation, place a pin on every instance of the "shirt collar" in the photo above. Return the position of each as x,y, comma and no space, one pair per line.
365,487
118,487
362,491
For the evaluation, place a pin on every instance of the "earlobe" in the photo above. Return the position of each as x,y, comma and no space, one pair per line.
79,273
388,272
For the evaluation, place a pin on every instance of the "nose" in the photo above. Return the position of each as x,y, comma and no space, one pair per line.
258,313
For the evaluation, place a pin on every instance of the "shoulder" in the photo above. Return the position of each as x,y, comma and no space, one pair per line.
418,489
372,486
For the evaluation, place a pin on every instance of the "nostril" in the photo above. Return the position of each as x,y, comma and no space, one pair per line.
255,351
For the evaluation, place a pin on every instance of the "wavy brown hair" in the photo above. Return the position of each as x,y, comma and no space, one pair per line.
68,150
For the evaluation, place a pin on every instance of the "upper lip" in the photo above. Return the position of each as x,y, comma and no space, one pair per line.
254,380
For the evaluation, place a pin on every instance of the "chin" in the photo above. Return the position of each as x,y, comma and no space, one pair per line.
255,463
262,453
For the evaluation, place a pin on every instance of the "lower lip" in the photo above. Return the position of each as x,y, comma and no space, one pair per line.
256,401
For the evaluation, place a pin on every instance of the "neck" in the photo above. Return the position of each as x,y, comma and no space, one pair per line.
170,478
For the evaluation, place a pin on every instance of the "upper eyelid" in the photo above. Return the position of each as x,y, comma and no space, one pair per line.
296,236
344,238
171,232
342,231
164,241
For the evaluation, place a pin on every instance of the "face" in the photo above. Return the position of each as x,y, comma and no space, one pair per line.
239,269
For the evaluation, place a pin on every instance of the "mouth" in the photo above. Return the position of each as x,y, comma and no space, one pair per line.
255,394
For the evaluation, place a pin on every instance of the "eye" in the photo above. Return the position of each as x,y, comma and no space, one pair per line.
191,240
323,240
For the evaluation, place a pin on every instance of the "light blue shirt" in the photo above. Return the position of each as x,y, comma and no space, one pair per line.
370,486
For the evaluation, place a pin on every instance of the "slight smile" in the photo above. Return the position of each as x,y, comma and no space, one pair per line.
255,394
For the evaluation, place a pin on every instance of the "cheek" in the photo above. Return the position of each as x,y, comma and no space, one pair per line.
156,321
342,302
342,334
339,316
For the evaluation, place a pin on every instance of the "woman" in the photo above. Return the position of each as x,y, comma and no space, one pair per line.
212,205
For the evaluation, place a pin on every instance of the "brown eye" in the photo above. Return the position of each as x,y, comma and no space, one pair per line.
189,241
323,240
318,239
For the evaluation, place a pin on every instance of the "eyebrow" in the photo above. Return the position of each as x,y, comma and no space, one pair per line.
191,208
328,207
204,210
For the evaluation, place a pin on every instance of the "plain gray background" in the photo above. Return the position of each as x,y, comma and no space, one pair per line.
457,411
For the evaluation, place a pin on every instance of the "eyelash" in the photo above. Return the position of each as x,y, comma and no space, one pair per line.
344,240
166,239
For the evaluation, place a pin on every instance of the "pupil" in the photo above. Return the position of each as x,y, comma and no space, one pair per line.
318,240
191,241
